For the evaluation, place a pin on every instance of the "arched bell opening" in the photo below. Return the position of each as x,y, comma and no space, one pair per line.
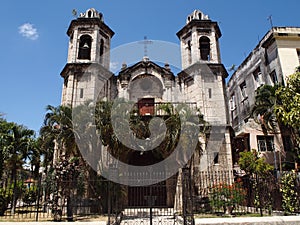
85,45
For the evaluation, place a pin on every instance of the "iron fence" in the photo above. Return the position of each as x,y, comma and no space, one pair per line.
175,200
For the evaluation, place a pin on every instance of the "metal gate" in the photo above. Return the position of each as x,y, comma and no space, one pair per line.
165,202
149,205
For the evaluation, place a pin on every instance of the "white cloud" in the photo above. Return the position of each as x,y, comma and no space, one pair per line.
27,30
114,65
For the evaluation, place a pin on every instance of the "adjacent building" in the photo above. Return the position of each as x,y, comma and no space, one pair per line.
274,58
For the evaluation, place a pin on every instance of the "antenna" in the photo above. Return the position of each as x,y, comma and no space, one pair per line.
271,21
146,42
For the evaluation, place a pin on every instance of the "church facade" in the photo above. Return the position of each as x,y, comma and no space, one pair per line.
200,83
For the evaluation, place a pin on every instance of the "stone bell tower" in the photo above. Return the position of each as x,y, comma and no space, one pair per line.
203,81
86,73
199,40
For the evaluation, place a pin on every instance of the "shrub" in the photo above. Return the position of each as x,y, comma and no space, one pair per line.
30,195
290,194
224,195
5,198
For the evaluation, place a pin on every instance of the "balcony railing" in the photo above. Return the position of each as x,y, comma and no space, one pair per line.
163,108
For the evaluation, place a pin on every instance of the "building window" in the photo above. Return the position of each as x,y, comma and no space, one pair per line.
257,75
265,143
232,103
273,76
85,44
243,90
209,93
204,48
266,57
101,50
81,93
189,47
298,53
216,158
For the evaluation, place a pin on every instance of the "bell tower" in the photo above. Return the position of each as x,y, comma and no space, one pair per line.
90,39
199,40
88,58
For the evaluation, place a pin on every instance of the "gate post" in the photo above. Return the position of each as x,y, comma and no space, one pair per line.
187,206
112,174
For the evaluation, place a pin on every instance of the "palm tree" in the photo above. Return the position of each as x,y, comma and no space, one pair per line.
4,126
58,133
266,103
58,128
35,157
263,110
18,142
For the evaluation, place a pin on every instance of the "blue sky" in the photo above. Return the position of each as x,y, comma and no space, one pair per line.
34,41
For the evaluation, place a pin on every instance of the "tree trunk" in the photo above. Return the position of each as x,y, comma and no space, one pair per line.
14,200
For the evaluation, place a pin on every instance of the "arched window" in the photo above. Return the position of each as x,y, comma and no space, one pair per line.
204,48
101,50
85,45
89,14
189,52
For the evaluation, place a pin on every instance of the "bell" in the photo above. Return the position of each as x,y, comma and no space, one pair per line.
85,46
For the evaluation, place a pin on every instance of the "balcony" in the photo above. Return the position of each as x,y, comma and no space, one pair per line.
151,108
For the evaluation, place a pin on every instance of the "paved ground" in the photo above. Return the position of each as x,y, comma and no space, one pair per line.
275,220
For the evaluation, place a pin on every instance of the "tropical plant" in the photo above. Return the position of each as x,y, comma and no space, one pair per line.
5,198
58,127
263,109
173,120
67,172
58,133
288,112
30,195
223,195
17,145
4,130
252,164
290,192
260,175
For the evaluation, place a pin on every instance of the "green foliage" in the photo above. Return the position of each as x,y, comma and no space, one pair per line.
7,193
58,126
125,116
290,194
289,111
5,198
223,195
259,172
30,195
263,109
252,164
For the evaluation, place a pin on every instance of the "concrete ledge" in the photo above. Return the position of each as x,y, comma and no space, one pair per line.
273,220
55,223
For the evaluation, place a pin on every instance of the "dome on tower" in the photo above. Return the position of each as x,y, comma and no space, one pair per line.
91,13
196,15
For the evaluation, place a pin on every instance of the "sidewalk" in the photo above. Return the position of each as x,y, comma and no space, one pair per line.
274,220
